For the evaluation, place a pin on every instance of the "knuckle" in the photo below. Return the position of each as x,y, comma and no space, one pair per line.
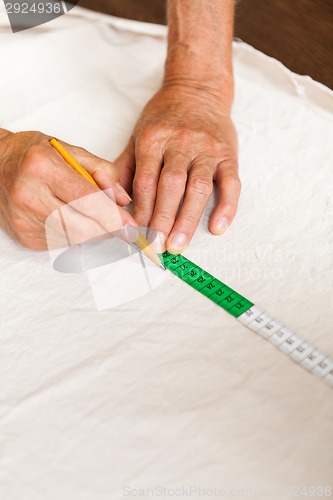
147,136
34,162
184,137
142,214
145,182
190,219
185,133
163,218
173,179
201,185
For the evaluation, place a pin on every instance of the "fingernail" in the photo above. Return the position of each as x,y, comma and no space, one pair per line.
122,191
178,243
157,241
221,224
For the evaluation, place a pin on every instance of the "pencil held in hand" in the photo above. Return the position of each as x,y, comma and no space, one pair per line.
71,161
141,241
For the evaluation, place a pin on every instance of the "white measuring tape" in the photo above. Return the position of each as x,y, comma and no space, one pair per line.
290,343
293,345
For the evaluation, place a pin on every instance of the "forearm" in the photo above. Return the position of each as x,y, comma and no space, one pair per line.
200,45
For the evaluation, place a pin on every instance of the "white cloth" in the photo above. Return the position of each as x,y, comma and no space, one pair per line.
167,390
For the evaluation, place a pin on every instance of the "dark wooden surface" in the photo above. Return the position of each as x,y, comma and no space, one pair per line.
151,11
297,32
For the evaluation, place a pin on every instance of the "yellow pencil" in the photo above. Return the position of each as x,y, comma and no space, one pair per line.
141,241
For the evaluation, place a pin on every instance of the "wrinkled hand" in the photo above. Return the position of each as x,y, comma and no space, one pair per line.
35,181
183,141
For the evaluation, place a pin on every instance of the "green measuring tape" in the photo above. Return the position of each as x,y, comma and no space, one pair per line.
296,347
205,283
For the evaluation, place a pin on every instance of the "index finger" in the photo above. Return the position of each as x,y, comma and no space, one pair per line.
68,186
198,189
148,167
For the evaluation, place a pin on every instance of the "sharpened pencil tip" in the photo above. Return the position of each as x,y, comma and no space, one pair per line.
162,267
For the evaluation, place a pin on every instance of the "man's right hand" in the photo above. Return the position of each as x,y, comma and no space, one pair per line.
35,181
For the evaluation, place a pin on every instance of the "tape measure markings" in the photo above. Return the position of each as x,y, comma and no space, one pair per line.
208,285
293,345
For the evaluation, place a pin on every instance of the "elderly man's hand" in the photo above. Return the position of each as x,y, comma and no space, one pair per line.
35,181
183,141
